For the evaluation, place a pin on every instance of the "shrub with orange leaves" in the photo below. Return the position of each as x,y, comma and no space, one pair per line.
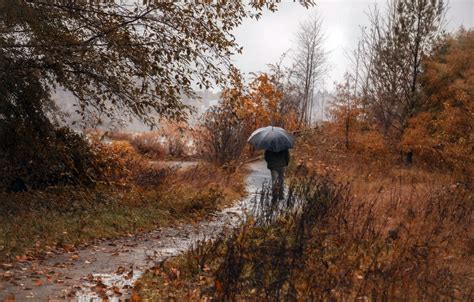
119,160
441,135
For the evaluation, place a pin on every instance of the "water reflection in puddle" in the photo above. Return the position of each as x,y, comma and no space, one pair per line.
114,287
117,287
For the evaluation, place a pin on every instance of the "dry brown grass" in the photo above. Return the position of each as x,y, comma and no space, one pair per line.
169,142
203,175
431,208
335,249
148,144
384,233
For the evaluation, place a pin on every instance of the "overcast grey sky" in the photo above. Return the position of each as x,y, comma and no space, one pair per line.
265,40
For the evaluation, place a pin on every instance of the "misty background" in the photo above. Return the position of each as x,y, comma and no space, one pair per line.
264,41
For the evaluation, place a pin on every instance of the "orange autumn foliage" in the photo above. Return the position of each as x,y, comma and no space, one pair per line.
120,160
441,135
262,105
351,128
222,137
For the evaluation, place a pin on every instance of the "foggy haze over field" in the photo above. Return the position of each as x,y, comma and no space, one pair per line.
66,102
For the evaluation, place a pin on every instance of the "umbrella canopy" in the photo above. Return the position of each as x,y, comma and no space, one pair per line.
271,138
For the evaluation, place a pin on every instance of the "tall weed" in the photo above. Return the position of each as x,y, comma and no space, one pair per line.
322,244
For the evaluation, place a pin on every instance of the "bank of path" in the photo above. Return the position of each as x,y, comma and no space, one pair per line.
112,266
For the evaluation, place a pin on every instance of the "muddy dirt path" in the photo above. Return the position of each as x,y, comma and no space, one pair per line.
110,268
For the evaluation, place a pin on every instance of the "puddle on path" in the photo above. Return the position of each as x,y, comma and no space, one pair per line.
110,268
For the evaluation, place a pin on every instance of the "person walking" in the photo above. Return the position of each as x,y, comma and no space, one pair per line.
275,141
277,163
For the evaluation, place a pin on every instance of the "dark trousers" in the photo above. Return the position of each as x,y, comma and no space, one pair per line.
278,179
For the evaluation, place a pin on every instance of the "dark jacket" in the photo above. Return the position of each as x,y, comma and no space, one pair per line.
277,160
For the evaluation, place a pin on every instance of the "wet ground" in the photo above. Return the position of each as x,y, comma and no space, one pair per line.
110,268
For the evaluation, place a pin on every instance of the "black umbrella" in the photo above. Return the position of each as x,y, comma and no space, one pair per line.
272,138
